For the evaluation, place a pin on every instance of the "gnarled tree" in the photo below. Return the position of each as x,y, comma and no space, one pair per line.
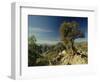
70,31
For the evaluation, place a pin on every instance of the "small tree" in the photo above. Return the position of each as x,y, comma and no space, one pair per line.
70,31
32,51
32,40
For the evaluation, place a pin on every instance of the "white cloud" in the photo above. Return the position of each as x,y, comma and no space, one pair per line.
81,40
38,29
47,42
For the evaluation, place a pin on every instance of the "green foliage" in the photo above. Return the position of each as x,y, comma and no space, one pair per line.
32,52
32,40
70,31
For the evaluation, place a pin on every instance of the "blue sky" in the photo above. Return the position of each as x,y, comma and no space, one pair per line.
46,28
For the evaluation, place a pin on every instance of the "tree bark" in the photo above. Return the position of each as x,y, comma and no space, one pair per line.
73,47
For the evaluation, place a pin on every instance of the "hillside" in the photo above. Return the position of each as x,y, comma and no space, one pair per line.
58,55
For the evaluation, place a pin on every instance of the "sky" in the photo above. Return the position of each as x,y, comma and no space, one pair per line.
46,28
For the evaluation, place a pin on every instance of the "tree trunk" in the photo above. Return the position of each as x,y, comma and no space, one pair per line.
73,47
